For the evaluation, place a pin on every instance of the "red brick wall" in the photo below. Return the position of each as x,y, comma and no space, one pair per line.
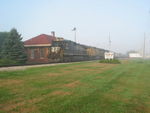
37,58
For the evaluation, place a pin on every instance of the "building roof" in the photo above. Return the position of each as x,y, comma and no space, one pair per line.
42,39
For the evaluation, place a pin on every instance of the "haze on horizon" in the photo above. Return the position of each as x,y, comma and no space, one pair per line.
125,20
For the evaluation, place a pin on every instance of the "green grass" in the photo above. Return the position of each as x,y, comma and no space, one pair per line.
86,87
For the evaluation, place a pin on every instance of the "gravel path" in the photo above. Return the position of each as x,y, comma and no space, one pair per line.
28,66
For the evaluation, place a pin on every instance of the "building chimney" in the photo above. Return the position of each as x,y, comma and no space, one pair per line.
53,33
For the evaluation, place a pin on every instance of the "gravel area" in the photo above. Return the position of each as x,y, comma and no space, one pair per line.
13,68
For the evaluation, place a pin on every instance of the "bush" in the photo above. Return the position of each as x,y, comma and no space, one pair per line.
7,62
111,61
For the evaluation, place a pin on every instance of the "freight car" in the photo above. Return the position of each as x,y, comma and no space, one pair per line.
68,51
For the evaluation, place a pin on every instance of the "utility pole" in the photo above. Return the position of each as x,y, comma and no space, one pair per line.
109,42
75,47
144,46
75,34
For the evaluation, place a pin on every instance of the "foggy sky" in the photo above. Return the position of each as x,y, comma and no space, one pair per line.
126,20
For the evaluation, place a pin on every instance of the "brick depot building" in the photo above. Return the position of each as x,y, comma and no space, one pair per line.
37,48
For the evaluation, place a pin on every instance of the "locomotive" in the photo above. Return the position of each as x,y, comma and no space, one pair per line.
63,50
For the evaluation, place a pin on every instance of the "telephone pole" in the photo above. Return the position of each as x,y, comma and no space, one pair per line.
109,42
75,32
144,46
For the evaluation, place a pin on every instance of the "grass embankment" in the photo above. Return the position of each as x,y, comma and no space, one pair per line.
88,87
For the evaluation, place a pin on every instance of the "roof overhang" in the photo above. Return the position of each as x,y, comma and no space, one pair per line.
38,45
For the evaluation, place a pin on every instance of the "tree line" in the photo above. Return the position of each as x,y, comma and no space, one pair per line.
12,51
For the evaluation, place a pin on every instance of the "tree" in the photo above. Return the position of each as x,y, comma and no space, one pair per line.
13,48
3,37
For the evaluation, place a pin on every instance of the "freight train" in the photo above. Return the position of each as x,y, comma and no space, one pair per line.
63,50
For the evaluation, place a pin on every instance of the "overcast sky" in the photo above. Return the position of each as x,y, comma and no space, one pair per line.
126,20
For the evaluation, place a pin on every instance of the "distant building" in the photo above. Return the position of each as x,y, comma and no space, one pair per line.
135,55
37,48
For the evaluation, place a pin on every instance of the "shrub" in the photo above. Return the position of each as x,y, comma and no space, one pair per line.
7,62
111,61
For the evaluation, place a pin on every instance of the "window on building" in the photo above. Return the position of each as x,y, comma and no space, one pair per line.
32,54
41,52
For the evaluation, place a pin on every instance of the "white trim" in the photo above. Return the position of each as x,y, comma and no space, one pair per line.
37,45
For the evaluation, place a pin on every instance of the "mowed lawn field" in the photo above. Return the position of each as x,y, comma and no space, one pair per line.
86,87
